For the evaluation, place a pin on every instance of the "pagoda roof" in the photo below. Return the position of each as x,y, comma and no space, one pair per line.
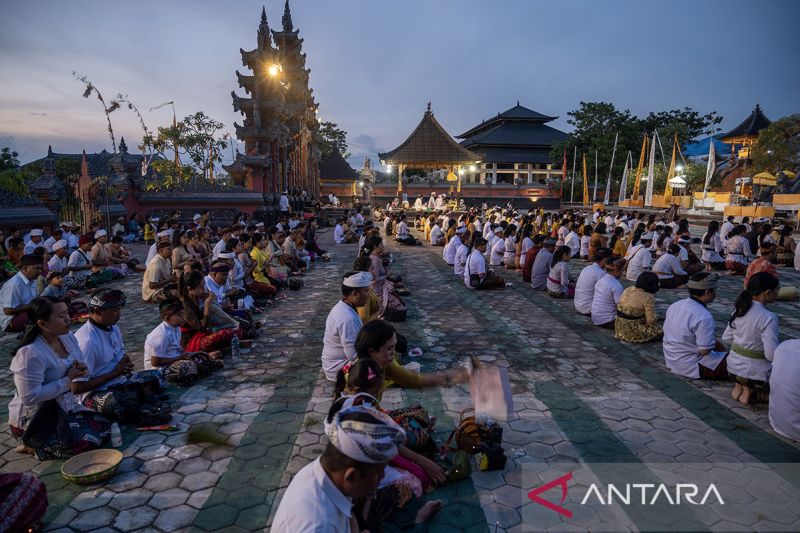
516,113
750,127
515,155
429,145
515,133
335,168
207,192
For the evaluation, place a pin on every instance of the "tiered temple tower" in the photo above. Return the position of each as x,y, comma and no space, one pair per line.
279,130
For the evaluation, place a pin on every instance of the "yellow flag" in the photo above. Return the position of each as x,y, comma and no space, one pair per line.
639,169
585,184
671,173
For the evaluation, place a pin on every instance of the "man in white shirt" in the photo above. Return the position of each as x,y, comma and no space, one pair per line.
159,279
541,265
283,203
220,246
573,241
607,293
52,239
460,259
402,229
587,279
437,235
432,201
668,268
343,323
58,262
726,228
449,252
689,333
440,202
18,292
362,441
639,257
35,241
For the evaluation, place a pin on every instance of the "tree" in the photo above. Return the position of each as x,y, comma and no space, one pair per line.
687,122
778,146
8,159
333,138
195,138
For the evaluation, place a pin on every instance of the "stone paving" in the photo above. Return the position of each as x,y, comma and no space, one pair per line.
585,403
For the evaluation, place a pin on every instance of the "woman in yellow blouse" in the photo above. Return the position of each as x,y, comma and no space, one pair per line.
636,312
618,243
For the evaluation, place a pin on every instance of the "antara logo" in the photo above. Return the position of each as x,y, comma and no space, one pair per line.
638,493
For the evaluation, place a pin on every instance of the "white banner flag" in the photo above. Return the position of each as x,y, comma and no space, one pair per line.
648,197
610,167
624,185
712,165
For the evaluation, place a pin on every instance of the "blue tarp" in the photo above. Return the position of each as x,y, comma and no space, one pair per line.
700,147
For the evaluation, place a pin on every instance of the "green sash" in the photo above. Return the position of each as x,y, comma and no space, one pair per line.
752,354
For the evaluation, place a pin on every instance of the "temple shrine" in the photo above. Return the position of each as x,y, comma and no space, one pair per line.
280,128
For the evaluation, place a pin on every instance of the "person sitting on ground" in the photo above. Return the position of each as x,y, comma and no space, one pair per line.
436,233
688,259
180,250
161,236
663,242
110,386
636,312
784,393
607,293
617,244
120,255
460,260
530,257
343,323
36,240
261,285
377,340
587,280
207,328
573,241
18,292
16,249
689,332
341,234
753,334
586,237
158,283
498,247
101,257
450,249
786,245
559,284
408,475
320,497
737,251
80,265
764,264
712,246
219,247
638,257
43,365
311,238
598,239
541,265
476,275
403,233
163,351
510,247
668,269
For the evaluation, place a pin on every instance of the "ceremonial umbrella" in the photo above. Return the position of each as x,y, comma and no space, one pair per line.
789,174
765,178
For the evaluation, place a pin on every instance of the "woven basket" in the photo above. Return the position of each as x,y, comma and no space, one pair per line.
91,467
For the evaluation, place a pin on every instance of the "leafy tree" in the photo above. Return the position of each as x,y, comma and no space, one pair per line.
688,123
195,138
778,146
333,138
8,159
66,168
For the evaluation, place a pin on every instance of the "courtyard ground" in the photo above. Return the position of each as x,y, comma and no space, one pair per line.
585,402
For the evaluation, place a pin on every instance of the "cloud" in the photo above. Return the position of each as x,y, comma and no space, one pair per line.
38,114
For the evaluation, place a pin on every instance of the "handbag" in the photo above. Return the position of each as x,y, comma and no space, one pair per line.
470,434
49,418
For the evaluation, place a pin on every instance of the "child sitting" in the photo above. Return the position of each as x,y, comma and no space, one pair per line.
78,311
162,349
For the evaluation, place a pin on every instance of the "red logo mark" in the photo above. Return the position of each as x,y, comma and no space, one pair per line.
534,495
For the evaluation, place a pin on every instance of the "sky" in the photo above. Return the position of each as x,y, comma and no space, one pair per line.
376,63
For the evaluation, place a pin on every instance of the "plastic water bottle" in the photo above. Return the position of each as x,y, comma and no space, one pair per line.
116,435
235,351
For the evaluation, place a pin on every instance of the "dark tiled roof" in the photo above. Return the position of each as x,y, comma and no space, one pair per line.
208,192
99,163
516,133
515,155
429,145
19,210
10,199
515,113
47,184
751,125
335,168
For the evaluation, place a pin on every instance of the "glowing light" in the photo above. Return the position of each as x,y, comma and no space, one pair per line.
460,171
472,168
388,168
273,70
360,183
678,168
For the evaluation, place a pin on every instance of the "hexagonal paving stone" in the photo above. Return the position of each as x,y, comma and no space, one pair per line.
135,518
130,498
165,481
175,518
193,466
198,481
169,498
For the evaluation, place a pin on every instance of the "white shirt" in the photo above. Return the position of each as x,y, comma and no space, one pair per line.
725,229
476,264
638,258
498,252
510,250
218,249
585,246
449,252
402,230
527,245
712,249
797,258
439,203
688,328
584,287
17,291
487,231
283,203
540,269
40,374
164,341
58,264
574,244
313,504
784,393
460,259
71,238
431,202
418,204
151,253
436,235
668,266
339,342
563,231
607,293
101,350
560,273
216,289
338,234
756,330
